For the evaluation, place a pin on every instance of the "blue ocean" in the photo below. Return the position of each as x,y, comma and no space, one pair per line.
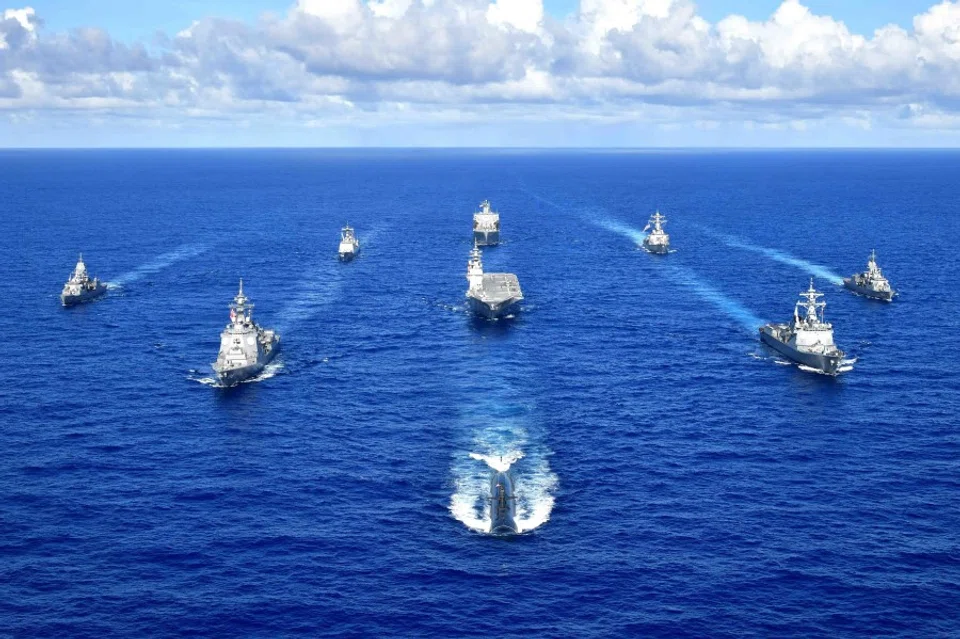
674,478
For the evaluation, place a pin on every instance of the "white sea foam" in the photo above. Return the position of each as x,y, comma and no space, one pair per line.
627,231
506,448
729,306
779,256
156,265
270,370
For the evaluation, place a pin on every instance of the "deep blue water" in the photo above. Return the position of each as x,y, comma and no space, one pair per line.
677,479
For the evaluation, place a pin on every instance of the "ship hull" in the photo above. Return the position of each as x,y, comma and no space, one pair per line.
656,249
347,256
886,296
85,296
486,238
827,364
492,310
234,376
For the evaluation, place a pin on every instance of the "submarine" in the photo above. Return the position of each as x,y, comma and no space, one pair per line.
503,505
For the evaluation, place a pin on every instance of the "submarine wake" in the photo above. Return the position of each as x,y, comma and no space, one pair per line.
778,256
733,309
506,449
185,252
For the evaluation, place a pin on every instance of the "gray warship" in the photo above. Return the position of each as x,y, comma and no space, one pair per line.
80,288
349,244
490,295
245,347
870,283
657,241
807,340
486,226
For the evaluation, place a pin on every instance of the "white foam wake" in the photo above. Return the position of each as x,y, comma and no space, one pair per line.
629,232
778,256
534,484
166,260
270,370
704,291
501,463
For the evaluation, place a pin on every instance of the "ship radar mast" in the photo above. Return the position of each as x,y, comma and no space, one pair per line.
242,307
812,306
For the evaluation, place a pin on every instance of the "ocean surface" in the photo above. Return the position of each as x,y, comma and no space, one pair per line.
674,477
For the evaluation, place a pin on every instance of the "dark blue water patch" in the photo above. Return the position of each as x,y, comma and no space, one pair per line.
685,482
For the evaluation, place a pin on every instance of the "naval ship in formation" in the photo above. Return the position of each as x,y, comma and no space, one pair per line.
80,288
807,340
503,505
490,295
486,226
657,241
349,244
870,283
245,347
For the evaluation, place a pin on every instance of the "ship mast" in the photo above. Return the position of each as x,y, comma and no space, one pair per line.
242,307
813,307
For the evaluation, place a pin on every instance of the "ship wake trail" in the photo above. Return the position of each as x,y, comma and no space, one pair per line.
733,309
185,252
621,229
778,256
503,444
313,294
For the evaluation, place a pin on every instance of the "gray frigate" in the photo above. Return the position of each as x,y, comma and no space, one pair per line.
349,244
245,347
486,226
870,283
657,241
807,340
490,295
80,288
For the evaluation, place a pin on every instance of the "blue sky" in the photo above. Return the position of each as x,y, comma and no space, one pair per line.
480,73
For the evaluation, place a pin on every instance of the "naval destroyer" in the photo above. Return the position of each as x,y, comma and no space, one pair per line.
490,295
657,241
349,244
80,288
245,347
807,340
486,226
870,283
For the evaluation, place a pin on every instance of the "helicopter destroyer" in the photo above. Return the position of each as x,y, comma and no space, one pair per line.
657,241
486,226
871,283
80,288
245,347
490,295
349,244
807,340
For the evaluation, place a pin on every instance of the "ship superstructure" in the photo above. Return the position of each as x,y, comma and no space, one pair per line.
245,347
490,295
657,241
486,226
80,288
349,244
808,338
871,283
